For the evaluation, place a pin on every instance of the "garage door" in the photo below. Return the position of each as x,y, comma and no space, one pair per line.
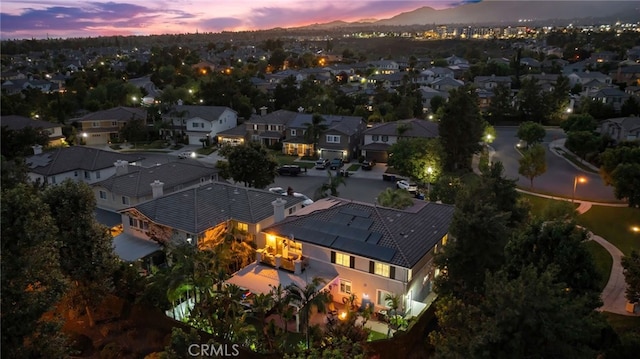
195,139
331,154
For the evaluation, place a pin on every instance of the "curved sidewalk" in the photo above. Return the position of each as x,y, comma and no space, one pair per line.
613,294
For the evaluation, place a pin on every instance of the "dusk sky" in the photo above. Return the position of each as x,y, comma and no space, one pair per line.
20,19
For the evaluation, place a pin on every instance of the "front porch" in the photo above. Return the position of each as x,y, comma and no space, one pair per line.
297,149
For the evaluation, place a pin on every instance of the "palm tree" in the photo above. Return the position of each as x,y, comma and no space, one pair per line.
395,198
393,301
314,130
308,297
331,185
280,303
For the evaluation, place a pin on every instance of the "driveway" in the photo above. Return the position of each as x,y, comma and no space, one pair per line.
560,175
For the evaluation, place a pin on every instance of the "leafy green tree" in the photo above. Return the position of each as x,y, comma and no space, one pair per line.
413,157
86,252
500,108
626,183
250,164
532,106
315,129
17,143
630,107
446,189
533,162
531,132
561,244
582,142
395,198
135,130
626,152
579,122
631,265
559,98
32,280
436,103
461,128
308,297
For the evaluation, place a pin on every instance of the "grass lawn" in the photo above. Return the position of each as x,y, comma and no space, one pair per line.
623,323
206,151
603,262
353,168
538,204
614,225
376,336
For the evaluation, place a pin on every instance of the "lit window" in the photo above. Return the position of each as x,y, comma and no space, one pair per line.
343,259
345,286
381,269
242,227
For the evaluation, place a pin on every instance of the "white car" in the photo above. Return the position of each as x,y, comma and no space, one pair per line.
184,155
406,185
279,190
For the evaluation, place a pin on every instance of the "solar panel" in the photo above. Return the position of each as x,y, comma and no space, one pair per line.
374,237
365,249
356,212
341,218
362,223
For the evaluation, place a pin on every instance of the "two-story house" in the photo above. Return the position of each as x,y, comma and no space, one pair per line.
19,123
384,66
198,215
266,128
102,127
583,78
610,96
201,123
341,138
378,139
622,128
78,163
358,249
132,185
491,82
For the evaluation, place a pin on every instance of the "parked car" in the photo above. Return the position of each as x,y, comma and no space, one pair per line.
184,155
278,190
289,170
336,163
322,163
406,185
367,165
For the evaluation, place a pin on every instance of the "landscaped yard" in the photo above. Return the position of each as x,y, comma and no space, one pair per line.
603,262
376,336
538,204
614,225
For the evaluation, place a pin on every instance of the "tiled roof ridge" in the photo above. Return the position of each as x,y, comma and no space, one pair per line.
393,238
53,161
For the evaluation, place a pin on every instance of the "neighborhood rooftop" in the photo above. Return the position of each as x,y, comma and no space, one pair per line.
73,158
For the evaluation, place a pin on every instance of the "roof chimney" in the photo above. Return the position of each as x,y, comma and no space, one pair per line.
156,188
278,209
122,167
37,149
263,110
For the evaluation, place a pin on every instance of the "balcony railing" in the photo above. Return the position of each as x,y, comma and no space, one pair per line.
286,263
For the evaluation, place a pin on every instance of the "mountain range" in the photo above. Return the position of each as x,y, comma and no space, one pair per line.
507,13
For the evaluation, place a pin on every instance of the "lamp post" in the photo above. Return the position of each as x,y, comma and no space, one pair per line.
429,172
577,179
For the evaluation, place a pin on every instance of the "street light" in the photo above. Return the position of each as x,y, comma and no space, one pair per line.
577,179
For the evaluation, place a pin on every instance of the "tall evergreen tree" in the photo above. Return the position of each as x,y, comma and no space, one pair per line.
461,128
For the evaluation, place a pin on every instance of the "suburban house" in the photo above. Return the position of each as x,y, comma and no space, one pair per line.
378,139
384,66
340,140
622,128
78,163
428,94
584,77
200,123
610,96
629,75
19,123
491,82
446,84
267,128
359,249
102,127
197,215
132,185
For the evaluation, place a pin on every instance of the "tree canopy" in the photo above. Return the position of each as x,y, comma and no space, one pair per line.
251,164
533,162
413,157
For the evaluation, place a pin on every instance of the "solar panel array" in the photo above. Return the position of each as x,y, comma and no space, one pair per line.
348,230
39,161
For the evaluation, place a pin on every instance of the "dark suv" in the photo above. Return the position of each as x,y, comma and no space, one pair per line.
336,163
289,170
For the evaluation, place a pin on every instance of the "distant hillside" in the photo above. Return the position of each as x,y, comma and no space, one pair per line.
507,13
512,11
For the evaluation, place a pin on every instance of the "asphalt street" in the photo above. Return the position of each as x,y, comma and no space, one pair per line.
560,175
